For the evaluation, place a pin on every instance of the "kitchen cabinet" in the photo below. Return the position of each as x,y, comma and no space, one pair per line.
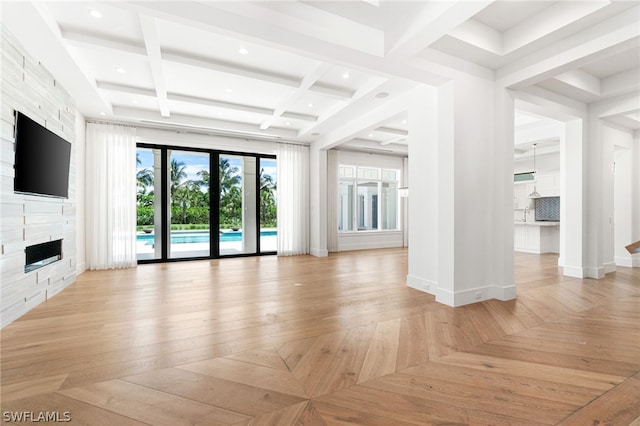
536,237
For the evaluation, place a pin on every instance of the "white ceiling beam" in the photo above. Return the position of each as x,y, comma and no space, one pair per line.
123,88
385,113
581,80
309,79
312,22
554,18
435,20
624,121
610,37
218,104
394,140
369,146
152,44
621,105
392,131
201,123
82,38
36,28
619,84
479,35
370,86
228,68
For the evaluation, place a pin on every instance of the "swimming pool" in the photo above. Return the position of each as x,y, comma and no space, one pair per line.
189,237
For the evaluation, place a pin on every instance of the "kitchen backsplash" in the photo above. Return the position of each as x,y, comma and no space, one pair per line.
548,209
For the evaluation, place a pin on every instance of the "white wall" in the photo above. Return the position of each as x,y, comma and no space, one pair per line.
370,240
27,219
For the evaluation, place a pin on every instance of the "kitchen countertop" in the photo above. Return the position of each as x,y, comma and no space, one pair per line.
538,223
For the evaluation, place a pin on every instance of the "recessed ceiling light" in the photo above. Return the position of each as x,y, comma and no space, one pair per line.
310,105
103,113
96,14
370,135
120,70
381,95
135,101
345,75
243,51
404,121
228,90
288,123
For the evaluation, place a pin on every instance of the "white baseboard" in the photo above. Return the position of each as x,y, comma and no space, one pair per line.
636,262
80,268
319,252
627,262
596,272
421,284
464,297
573,271
609,267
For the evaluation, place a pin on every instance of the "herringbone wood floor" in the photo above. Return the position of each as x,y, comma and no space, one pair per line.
337,340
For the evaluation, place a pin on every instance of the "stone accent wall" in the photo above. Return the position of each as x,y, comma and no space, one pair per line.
28,87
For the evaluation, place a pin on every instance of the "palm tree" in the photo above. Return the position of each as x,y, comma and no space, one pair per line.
144,177
178,173
267,199
229,176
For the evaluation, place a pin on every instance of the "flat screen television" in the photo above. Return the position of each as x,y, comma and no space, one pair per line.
41,161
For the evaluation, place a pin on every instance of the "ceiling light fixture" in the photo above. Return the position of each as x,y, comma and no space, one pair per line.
96,14
404,121
243,51
288,123
120,70
310,105
346,75
228,90
103,113
534,194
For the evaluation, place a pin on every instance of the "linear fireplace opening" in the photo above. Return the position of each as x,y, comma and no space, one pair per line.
40,255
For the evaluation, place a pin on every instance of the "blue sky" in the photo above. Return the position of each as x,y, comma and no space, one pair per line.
195,162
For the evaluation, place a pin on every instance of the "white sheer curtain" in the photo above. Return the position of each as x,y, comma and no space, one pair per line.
111,196
293,199
332,200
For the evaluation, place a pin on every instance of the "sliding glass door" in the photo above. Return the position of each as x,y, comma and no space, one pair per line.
189,177
187,212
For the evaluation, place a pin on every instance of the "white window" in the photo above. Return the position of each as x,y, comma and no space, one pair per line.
368,199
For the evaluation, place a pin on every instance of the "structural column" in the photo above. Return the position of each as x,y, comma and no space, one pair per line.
317,201
461,195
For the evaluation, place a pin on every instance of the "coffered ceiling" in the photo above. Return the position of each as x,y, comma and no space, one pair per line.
286,70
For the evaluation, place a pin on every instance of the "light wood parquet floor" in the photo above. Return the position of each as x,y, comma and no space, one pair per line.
314,341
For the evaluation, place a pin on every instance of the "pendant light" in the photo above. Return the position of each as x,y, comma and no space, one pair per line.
535,193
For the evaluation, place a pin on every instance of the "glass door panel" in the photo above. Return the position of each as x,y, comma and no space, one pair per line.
189,177
148,204
238,205
268,206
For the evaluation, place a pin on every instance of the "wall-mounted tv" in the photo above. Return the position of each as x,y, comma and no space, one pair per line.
41,161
